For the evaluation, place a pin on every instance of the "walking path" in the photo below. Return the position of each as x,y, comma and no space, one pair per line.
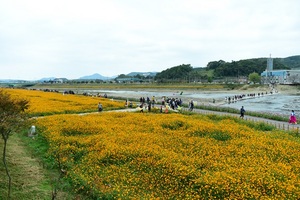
278,124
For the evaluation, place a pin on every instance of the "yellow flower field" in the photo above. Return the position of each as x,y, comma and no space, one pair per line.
172,156
45,103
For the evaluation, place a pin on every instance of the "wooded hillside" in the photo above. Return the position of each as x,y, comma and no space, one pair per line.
221,69
292,61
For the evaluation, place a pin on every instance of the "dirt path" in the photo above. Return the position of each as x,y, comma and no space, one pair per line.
29,179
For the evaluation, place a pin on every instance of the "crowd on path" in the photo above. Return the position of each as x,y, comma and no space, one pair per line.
235,98
166,103
176,104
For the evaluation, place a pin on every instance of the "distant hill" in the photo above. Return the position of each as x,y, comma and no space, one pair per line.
142,74
12,81
46,79
96,76
292,61
245,67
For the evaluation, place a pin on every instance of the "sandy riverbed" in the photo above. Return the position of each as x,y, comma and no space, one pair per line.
200,96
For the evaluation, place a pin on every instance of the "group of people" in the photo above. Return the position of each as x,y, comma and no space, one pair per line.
175,103
235,98
148,102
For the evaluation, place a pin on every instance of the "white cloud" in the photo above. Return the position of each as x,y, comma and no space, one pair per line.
65,38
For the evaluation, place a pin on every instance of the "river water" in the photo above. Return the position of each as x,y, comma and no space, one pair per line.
276,103
281,104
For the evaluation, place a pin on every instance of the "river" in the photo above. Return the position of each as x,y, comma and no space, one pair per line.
276,103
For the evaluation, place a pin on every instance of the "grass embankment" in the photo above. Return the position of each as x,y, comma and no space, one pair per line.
29,178
33,176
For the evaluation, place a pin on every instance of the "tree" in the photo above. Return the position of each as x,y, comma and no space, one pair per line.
176,73
254,77
242,67
294,79
123,76
12,118
214,64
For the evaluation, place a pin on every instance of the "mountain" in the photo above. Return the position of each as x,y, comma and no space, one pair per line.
97,76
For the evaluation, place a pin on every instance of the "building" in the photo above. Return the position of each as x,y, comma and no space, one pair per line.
59,80
128,80
287,77
270,76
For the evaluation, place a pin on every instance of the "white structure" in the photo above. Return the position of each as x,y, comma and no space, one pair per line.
281,77
269,64
270,76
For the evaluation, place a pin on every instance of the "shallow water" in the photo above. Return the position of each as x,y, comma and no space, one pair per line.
276,103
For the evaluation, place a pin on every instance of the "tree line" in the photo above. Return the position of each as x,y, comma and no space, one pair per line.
221,69
214,70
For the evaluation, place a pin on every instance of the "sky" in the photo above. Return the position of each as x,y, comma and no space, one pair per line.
72,38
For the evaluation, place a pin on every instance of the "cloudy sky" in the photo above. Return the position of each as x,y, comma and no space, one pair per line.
72,38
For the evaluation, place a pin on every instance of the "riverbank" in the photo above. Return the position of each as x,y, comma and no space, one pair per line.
206,94
203,96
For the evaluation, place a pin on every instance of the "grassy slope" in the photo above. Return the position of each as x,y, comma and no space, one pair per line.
28,177
30,180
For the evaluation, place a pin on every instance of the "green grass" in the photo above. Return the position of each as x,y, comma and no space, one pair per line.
34,175
28,176
249,113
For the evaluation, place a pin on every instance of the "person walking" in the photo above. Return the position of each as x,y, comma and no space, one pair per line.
293,119
191,105
242,111
100,108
